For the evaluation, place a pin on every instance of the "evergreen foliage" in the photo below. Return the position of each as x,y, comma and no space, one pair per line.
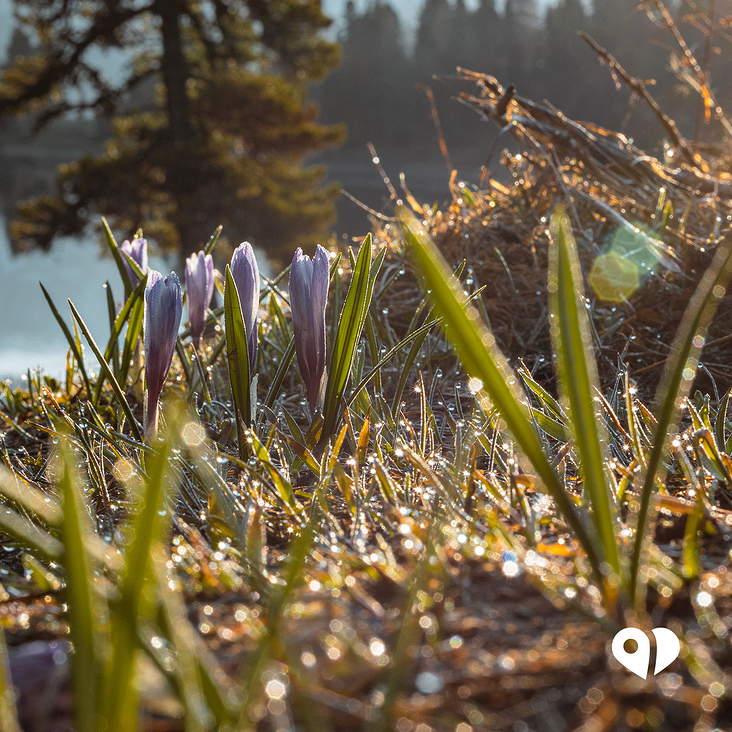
540,54
224,140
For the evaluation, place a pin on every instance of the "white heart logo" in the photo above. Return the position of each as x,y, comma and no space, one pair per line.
667,650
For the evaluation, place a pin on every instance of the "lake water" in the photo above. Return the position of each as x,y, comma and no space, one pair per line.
29,334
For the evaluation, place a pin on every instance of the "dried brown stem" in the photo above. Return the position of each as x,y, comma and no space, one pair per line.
639,89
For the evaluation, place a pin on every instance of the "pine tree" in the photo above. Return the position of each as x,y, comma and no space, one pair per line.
518,44
563,68
371,88
483,39
226,141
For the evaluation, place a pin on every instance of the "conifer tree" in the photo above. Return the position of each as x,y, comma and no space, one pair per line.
373,86
224,143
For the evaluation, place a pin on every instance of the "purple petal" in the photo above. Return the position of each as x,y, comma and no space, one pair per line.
308,299
245,272
199,290
163,309
137,251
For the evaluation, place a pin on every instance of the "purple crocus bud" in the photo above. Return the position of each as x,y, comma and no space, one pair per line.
308,297
245,272
163,308
199,291
136,250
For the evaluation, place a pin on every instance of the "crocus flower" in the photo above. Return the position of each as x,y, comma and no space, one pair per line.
245,272
199,291
136,250
308,297
163,308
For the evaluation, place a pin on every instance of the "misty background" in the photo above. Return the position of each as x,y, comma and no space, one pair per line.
391,52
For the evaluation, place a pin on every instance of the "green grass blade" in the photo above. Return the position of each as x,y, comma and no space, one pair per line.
29,497
350,325
132,338
237,358
719,425
134,303
211,243
482,360
71,340
8,713
81,597
292,574
282,368
112,347
136,594
197,717
675,384
30,536
578,382
108,373
117,253
416,335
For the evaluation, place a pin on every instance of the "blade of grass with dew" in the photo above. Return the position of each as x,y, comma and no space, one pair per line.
578,381
482,360
117,254
350,324
196,715
113,347
275,387
299,551
108,372
71,340
83,602
8,712
675,384
132,337
135,302
721,421
30,536
214,682
402,658
421,332
211,243
237,358
148,528
29,497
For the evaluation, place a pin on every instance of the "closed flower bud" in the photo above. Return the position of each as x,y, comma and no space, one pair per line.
163,309
308,298
137,251
245,272
199,291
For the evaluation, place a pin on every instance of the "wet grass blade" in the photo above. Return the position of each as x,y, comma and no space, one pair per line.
134,303
71,340
237,358
211,243
282,368
482,360
82,600
148,528
8,713
118,255
108,373
29,497
578,382
350,324
416,335
30,536
299,552
112,347
675,384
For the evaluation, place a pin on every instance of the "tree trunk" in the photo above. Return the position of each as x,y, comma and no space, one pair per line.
175,71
